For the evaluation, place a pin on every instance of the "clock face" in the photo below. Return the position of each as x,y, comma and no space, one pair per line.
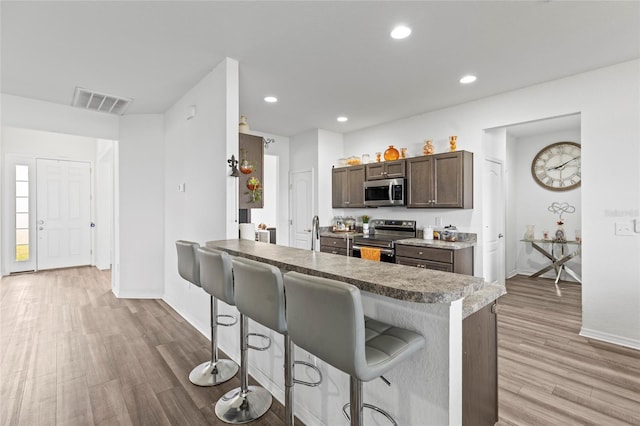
558,167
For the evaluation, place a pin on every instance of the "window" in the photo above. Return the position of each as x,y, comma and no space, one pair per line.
22,213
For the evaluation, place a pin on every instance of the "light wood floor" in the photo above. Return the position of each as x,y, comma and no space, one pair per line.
73,354
548,374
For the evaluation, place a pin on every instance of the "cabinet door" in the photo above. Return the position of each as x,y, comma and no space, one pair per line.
447,171
339,187
355,184
395,169
453,180
480,368
252,150
375,171
419,182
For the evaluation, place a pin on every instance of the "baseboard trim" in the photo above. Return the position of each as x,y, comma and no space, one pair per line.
610,338
137,295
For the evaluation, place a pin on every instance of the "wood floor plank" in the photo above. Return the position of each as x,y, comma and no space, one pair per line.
108,405
73,404
179,407
143,406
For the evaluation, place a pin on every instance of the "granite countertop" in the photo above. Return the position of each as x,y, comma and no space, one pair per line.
451,245
386,279
481,298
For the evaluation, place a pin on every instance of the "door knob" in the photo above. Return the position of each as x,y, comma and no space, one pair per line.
500,236
41,222
307,230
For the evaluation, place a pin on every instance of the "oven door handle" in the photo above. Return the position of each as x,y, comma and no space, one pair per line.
388,252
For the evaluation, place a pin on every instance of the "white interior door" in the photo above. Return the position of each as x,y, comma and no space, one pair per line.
494,223
302,209
63,213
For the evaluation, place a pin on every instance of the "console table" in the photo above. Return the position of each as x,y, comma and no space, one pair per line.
567,251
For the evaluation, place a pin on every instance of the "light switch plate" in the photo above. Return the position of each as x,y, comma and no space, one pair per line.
624,228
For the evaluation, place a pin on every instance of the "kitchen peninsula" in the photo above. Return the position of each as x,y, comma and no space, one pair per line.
428,389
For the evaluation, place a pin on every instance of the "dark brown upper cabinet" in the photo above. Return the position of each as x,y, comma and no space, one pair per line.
347,185
440,181
386,170
251,166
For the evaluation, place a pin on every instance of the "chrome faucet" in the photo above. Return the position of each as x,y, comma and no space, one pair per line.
315,232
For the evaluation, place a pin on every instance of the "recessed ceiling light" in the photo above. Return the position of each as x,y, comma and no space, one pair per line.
468,79
342,119
271,99
400,32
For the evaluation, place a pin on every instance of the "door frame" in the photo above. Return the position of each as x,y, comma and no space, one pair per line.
503,209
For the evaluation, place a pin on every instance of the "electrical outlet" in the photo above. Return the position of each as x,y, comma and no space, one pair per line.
623,228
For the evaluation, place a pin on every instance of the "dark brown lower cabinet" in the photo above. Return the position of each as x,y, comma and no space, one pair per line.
480,368
334,245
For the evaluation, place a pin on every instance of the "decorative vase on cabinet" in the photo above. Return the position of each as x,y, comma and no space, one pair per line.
391,154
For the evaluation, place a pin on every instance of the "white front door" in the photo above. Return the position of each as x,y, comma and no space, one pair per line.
302,209
494,208
63,213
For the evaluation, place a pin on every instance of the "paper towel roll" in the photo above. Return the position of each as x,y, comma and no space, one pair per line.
248,231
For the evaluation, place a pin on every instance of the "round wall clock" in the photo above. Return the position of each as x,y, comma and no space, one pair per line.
558,167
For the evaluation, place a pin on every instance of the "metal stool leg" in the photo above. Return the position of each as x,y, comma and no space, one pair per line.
216,371
288,381
356,405
246,403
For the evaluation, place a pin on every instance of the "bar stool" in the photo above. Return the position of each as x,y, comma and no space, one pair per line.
216,278
326,319
189,269
259,295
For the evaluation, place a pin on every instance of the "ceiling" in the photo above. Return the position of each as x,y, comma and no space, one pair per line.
321,59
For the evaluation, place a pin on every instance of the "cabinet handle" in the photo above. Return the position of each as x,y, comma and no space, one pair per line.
334,252
347,202
334,243
419,252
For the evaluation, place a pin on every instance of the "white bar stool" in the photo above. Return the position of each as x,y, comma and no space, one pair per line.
259,295
216,278
209,373
325,318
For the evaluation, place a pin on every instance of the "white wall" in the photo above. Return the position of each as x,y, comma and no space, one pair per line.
40,115
609,101
140,221
196,156
104,172
531,202
512,232
319,150
329,144
32,114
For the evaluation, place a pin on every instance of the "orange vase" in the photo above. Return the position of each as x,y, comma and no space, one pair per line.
391,154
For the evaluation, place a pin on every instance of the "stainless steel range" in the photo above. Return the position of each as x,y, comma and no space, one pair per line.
383,235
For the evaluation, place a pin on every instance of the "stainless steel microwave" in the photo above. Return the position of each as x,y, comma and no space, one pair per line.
384,192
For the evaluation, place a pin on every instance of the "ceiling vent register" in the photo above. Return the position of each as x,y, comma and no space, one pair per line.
101,102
